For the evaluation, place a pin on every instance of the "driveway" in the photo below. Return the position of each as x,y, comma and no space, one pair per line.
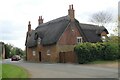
45,70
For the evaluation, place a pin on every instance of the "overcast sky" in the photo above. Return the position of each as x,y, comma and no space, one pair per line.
15,14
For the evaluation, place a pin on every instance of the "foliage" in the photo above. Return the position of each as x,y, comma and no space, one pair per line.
11,50
88,52
114,39
7,50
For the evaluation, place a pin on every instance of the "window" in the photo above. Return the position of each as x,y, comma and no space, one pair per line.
39,40
34,53
79,39
48,52
103,38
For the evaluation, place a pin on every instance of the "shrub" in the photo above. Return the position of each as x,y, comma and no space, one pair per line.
87,52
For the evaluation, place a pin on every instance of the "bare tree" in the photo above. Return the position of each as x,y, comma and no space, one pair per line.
101,18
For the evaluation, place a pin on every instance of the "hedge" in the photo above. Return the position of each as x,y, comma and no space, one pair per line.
88,52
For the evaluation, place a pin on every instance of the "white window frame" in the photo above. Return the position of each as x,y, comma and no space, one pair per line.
48,52
103,38
79,40
34,53
39,40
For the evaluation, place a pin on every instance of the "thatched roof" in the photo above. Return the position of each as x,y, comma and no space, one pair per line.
51,31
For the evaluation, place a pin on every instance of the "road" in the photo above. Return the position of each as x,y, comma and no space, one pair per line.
45,70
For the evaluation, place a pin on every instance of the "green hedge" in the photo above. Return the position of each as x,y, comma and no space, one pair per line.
88,52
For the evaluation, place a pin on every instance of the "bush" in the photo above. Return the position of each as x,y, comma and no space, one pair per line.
88,52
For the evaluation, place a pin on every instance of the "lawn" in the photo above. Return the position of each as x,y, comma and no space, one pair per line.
103,62
13,71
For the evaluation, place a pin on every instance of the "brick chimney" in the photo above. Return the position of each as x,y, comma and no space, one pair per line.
71,12
29,26
40,20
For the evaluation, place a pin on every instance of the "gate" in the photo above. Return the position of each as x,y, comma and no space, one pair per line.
67,57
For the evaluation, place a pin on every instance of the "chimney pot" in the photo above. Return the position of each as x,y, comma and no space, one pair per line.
29,26
71,12
69,7
40,20
72,6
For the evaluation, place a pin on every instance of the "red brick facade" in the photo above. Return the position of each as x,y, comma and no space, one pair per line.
69,36
53,53
42,54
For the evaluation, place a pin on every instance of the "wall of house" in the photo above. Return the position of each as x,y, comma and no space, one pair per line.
66,44
30,55
69,37
51,53
42,54
48,53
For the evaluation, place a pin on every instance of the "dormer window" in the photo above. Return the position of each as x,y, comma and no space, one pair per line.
79,39
39,40
36,36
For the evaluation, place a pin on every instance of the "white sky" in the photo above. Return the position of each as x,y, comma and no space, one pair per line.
15,14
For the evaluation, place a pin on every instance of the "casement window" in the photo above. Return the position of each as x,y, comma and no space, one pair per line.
103,38
48,52
79,39
34,53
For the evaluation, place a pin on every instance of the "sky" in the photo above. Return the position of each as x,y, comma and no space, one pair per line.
15,14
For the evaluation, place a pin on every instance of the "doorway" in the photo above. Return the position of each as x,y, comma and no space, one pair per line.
62,57
40,56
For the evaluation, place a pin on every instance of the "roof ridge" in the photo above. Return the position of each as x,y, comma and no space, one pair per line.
54,20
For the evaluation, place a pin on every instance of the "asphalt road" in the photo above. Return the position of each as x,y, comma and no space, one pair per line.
45,70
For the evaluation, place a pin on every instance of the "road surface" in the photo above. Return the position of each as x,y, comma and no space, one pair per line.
45,70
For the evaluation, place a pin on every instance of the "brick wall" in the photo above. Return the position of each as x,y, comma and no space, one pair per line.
50,53
43,54
31,56
69,37
66,44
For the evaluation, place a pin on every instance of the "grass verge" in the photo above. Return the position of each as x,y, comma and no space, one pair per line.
107,64
13,71
103,62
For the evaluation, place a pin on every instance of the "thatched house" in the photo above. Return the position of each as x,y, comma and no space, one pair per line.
54,41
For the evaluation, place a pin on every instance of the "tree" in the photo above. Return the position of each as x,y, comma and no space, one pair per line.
113,38
8,50
11,50
19,52
101,18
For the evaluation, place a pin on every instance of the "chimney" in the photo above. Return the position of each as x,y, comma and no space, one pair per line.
71,12
29,27
40,20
